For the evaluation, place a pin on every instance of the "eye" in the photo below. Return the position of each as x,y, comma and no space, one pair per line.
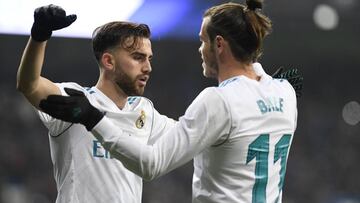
138,57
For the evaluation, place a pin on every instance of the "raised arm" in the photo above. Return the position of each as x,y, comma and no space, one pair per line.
29,82
29,79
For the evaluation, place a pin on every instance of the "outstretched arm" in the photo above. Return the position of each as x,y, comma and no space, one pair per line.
206,120
29,80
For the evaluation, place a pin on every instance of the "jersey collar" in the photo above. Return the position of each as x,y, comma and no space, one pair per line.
259,71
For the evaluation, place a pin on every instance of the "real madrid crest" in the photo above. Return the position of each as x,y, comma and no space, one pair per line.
140,122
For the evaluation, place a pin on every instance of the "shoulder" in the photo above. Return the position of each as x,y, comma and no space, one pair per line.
72,85
210,93
216,95
210,99
285,86
139,101
281,81
209,114
88,91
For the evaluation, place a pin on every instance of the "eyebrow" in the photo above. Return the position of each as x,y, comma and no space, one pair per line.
141,54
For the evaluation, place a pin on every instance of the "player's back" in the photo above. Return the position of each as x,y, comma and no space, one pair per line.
249,164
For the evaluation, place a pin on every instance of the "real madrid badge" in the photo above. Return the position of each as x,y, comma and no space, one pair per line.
140,122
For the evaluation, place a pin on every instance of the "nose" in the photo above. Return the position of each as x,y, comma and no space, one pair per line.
147,67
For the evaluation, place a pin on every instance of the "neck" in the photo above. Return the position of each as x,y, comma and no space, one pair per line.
111,90
235,68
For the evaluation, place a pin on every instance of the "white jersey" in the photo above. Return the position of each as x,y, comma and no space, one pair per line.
239,135
84,171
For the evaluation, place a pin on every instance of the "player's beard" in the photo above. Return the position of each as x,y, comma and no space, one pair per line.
211,68
128,84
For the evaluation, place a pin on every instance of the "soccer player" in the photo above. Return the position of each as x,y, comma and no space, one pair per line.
238,133
84,171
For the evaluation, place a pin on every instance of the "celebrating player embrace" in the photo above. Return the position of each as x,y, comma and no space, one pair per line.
239,133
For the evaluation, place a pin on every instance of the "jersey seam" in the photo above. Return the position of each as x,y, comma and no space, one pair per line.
67,128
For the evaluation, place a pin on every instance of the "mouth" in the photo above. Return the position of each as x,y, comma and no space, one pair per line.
143,79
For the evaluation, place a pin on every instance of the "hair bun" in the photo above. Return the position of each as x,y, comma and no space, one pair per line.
254,4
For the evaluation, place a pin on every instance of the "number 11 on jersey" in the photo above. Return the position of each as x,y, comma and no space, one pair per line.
259,150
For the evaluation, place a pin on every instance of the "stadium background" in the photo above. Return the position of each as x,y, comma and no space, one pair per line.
319,37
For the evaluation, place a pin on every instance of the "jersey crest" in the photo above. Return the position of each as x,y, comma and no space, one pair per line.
140,122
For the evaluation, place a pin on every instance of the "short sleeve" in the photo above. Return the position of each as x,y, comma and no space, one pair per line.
55,126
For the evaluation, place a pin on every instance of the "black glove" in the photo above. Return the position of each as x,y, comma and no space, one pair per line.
49,18
74,108
294,78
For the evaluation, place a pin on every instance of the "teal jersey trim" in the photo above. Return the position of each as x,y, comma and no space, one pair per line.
88,89
131,100
225,82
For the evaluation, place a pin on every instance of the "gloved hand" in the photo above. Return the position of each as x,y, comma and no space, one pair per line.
74,108
294,78
49,18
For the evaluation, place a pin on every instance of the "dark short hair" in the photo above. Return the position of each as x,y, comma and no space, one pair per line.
115,34
244,27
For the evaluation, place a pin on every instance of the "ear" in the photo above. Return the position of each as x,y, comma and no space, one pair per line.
107,60
219,43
